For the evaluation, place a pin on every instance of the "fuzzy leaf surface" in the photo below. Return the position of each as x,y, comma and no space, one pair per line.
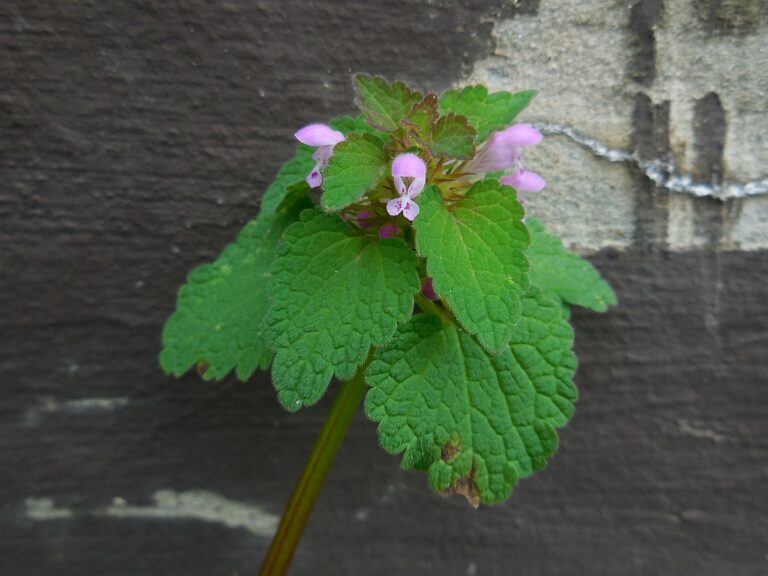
385,104
335,294
354,124
487,112
424,115
476,422
565,275
453,137
218,324
357,165
475,256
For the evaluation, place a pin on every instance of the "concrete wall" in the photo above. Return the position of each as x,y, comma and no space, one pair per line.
137,137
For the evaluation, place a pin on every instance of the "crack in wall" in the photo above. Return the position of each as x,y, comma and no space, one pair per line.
661,171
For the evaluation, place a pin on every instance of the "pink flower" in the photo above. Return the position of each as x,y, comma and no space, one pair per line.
519,135
504,150
389,230
325,138
428,290
363,217
414,169
524,181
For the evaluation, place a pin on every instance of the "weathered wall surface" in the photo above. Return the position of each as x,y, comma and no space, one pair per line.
675,89
137,137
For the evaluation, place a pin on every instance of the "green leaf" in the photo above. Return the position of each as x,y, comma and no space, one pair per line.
335,294
476,422
542,345
424,115
293,194
565,275
384,104
357,165
474,250
292,172
350,125
453,137
218,323
486,112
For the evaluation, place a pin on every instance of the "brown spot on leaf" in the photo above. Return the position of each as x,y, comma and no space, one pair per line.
467,487
449,452
201,368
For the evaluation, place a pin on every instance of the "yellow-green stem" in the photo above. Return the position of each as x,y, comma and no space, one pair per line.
310,483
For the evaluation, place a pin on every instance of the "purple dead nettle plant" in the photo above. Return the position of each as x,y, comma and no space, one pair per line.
447,317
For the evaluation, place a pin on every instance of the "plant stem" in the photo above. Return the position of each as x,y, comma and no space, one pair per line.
426,305
310,483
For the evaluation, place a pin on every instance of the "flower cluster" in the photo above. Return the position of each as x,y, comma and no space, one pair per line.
502,152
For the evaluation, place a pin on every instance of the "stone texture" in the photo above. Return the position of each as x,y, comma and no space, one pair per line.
750,228
590,211
577,55
700,63
693,62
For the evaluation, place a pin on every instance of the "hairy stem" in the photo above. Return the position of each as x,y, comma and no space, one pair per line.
310,483
430,307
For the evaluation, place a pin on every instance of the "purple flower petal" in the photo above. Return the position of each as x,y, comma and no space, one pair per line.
409,165
400,185
315,178
494,156
428,290
410,209
395,206
319,135
519,135
323,155
416,187
362,219
389,230
525,181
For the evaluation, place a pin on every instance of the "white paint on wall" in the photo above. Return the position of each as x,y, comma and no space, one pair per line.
199,505
45,509
168,505
46,406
